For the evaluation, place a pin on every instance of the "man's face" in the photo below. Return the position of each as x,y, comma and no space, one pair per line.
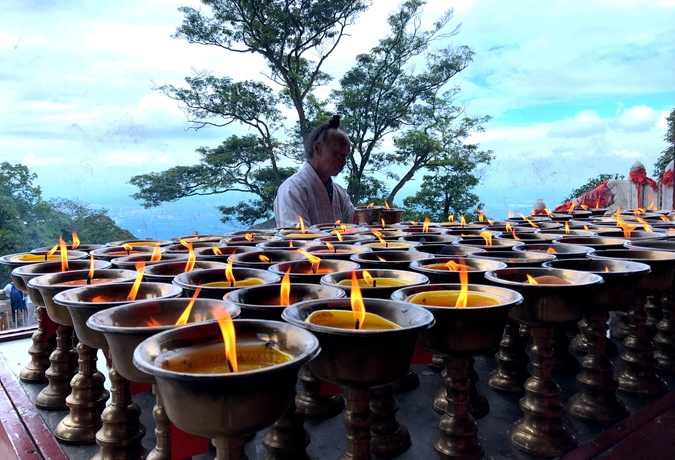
334,152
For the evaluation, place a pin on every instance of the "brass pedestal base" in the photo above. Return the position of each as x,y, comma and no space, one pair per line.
638,375
287,438
121,434
459,432
653,310
86,401
478,405
63,367
436,363
619,328
389,437
664,339
563,361
309,401
579,343
512,360
230,449
39,351
541,430
597,399
357,418
162,449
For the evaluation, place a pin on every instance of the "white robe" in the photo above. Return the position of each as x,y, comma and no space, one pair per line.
303,194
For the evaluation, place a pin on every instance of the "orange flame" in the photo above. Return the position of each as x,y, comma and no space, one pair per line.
490,221
597,203
551,251
228,272
370,205
156,254
386,205
248,237
285,295
52,250
229,339
451,218
263,258
183,319
531,280
339,236
452,266
383,224
529,221
508,227
76,240
302,225
64,255
152,322
343,227
381,259
380,237
651,202
548,212
571,210
140,269
356,298
584,207
413,222
330,246
618,217
514,235
645,224
606,269
487,236
127,247
664,218
91,267
462,220
463,297
567,228
425,227
216,251
368,278
337,222
314,260
510,214
481,215
627,229
586,227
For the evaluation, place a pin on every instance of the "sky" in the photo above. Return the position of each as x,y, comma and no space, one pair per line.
574,89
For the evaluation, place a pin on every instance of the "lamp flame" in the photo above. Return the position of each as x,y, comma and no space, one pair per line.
551,251
531,280
127,247
356,298
64,255
386,205
140,269
383,224
152,322
381,259
567,228
337,222
380,237
52,250
451,218
651,202
263,258
248,237
514,235
339,236
413,222
183,318
487,236
508,227
548,212
368,278
285,295
584,207
452,266
463,297
229,339
462,220
330,246
627,229
156,254
228,272
91,267
370,205
571,210
290,244
314,260
425,227
586,227
216,251
302,225
481,215
490,221
606,269
664,218
76,240
510,214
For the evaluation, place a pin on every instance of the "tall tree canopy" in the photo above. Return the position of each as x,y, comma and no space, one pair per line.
667,155
399,89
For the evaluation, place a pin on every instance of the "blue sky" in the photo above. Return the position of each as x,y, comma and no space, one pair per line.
574,88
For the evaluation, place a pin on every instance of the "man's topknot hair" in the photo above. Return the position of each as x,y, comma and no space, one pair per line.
321,133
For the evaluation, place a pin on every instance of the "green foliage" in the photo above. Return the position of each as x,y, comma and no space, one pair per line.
447,189
28,222
384,94
590,184
668,154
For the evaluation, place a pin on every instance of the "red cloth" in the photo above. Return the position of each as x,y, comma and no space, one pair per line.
668,178
640,179
601,196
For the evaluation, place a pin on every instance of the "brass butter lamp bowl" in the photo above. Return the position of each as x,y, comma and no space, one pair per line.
359,360
226,407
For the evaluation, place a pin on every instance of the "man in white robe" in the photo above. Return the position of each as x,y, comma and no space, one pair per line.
311,193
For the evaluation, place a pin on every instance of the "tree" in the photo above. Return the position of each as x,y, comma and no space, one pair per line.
447,190
385,94
92,225
668,154
590,184
285,33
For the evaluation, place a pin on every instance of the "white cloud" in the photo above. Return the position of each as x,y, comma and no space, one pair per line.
584,124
